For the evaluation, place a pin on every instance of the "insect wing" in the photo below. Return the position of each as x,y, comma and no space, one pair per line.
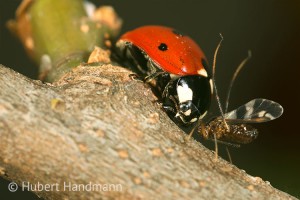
255,111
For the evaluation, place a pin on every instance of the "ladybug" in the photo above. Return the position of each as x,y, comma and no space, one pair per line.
174,65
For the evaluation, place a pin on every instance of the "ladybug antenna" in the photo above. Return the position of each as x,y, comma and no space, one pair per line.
237,71
214,81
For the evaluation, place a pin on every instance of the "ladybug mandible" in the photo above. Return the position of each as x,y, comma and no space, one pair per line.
174,65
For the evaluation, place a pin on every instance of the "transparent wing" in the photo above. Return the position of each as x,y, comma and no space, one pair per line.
255,111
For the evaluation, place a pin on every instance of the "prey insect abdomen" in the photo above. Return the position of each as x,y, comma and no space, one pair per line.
234,133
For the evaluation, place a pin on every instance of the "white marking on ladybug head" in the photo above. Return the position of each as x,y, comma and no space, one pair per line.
188,112
184,121
202,72
194,120
184,93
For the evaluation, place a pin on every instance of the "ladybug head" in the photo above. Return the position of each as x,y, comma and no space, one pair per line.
187,98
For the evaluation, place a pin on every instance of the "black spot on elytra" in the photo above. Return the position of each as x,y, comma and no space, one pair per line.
178,33
163,47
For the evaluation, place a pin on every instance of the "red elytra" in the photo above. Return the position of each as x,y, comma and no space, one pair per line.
171,51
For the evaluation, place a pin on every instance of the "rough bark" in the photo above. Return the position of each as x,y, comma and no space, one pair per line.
96,125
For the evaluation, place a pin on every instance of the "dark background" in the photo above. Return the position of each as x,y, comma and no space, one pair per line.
270,28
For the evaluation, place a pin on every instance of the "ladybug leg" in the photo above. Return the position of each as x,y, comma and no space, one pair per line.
152,76
169,109
135,77
198,124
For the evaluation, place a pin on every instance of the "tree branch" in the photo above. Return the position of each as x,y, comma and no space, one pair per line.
98,126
